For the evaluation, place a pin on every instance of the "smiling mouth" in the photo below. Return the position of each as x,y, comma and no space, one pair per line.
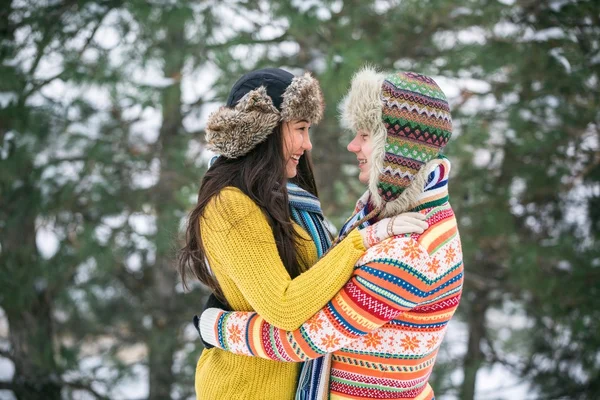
362,161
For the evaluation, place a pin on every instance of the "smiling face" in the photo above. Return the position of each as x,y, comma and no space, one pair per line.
295,142
362,146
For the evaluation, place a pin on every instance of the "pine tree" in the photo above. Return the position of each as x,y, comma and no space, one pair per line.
96,303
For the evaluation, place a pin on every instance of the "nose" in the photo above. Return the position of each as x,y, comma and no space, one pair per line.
353,146
307,144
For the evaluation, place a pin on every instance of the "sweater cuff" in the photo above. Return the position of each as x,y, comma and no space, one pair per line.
357,241
208,323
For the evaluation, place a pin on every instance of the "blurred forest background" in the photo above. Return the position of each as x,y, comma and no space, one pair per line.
102,109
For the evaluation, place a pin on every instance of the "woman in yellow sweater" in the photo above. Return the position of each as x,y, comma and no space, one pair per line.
241,241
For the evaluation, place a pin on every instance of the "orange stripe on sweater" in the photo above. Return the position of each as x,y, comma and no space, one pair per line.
441,239
252,334
436,231
426,394
394,287
258,346
304,346
286,346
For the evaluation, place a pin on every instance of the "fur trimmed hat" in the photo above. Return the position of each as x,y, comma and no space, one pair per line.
259,101
408,118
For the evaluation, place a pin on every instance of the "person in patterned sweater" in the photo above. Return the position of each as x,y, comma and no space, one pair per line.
379,336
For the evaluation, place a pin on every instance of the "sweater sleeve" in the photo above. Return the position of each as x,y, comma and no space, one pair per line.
239,241
380,289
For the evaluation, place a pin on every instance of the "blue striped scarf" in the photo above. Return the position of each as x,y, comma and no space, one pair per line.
306,212
313,383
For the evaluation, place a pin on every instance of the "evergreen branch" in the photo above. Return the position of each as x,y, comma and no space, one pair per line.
85,46
85,386
569,184
247,40
93,32
585,171
59,160
496,358
46,38
43,43
132,284
477,281
42,83
198,103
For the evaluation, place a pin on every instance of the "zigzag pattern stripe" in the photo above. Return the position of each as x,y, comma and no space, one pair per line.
405,118
405,135
422,99
396,173
423,110
403,161
426,90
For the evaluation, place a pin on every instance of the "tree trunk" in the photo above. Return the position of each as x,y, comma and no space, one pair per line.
24,295
474,356
163,337
27,301
36,373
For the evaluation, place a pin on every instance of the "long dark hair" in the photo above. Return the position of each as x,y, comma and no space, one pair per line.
260,175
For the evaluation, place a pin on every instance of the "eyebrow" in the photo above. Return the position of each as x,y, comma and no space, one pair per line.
302,120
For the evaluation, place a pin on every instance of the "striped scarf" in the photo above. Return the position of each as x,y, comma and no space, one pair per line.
306,212
313,383
314,377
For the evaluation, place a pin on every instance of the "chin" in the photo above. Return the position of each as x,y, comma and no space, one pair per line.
364,178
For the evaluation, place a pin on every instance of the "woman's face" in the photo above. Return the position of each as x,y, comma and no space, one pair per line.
295,142
362,146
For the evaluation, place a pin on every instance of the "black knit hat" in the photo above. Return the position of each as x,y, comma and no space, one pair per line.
275,80
259,101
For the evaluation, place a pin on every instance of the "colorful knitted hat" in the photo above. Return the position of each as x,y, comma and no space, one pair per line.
408,117
257,103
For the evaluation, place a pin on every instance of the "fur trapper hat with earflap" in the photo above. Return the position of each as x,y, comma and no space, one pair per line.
257,103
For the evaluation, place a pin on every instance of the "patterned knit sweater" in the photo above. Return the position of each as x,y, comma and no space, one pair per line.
243,255
385,326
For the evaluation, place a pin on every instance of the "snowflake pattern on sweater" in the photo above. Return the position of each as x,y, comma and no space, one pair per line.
384,327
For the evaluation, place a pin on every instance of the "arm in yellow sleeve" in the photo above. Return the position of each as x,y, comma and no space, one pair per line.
239,241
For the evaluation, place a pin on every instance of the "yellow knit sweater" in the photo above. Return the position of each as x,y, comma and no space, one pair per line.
242,254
